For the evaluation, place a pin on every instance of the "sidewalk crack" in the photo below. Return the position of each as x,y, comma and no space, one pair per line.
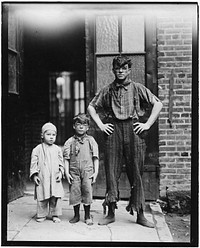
22,228
111,234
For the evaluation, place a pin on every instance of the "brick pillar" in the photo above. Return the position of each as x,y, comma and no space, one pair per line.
174,37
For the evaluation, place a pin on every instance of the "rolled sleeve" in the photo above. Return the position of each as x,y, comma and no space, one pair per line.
95,149
146,95
60,158
34,163
66,149
99,100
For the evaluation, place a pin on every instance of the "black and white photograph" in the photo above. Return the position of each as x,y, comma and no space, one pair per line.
99,110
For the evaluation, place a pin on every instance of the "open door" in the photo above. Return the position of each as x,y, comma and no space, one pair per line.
109,35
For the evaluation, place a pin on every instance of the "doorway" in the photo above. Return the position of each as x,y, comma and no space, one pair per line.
54,50
54,69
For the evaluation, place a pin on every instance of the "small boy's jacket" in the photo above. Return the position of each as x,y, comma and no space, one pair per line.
46,162
81,150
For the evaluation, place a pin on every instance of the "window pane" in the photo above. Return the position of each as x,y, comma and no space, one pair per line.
104,71
11,31
107,34
138,69
12,73
133,33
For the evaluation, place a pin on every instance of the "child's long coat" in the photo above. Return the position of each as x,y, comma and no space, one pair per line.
47,161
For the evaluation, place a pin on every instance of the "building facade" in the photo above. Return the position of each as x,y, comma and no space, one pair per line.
52,75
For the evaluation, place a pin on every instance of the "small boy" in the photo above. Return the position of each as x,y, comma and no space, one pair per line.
46,170
81,159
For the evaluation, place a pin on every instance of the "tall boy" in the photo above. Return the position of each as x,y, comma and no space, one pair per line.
81,158
122,102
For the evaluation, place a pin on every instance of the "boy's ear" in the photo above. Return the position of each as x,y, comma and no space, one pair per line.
73,126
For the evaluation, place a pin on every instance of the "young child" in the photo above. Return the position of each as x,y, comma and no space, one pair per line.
81,158
46,171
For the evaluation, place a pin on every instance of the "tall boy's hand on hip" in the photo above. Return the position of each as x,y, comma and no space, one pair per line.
140,127
107,128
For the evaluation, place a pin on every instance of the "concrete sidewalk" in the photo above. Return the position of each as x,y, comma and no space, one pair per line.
21,224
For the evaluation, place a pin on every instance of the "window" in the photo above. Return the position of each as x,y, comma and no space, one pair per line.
119,35
67,99
13,53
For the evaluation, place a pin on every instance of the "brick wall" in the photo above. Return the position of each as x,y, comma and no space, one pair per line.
174,36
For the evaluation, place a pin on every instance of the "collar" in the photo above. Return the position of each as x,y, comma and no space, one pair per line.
124,85
80,139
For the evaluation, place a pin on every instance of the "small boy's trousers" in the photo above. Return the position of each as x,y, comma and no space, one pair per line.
51,205
81,187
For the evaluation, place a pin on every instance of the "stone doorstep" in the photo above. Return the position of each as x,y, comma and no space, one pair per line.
162,228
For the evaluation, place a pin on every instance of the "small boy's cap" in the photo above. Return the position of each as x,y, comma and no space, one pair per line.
48,126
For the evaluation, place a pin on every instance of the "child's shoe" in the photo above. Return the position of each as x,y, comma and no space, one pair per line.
40,219
89,221
56,219
88,217
75,219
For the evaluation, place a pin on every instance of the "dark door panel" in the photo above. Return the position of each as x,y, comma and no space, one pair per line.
13,109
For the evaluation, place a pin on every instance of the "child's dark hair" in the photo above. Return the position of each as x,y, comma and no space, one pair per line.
121,60
81,118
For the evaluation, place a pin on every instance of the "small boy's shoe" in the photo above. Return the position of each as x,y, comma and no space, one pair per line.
56,219
74,220
41,219
89,221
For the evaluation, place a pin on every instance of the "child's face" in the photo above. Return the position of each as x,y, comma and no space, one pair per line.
80,128
49,137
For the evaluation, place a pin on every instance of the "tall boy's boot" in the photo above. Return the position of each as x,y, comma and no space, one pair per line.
88,219
141,220
76,217
111,215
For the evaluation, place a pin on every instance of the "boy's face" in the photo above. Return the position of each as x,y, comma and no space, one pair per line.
121,72
49,137
80,128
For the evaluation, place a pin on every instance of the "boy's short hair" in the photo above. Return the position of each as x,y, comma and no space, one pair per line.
81,118
121,60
